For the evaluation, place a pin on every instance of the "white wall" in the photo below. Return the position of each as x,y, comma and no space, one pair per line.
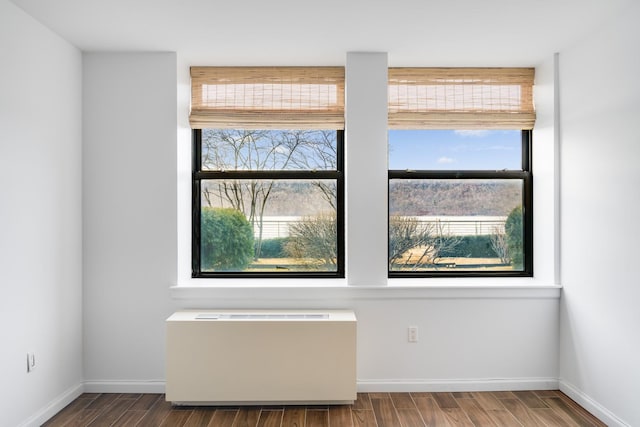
470,338
40,219
600,339
366,167
129,213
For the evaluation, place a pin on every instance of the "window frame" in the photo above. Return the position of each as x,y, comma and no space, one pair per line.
525,174
198,175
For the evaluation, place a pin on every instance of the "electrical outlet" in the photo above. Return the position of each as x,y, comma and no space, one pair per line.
413,334
31,362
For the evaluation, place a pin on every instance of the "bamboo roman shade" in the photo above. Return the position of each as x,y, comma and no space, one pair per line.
267,97
461,98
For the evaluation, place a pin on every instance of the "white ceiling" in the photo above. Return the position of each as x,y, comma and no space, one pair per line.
300,32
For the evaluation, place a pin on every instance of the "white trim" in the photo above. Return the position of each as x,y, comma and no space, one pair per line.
124,386
295,292
595,408
364,386
557,188
55,406
451,385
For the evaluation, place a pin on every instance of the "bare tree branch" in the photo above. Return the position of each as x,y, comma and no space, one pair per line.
225,149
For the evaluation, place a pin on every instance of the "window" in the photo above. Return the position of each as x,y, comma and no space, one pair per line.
267,182
449,221
460,181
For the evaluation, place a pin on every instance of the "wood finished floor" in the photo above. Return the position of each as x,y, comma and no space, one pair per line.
477,409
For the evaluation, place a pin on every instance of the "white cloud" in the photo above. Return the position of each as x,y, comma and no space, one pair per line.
499,147
472,133
446,160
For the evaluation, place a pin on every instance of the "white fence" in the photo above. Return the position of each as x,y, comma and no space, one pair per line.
465,225
275,226
278,226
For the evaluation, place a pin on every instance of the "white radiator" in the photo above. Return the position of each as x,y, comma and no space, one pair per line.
261,356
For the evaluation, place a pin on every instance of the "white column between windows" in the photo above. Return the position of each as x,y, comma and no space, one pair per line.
366,168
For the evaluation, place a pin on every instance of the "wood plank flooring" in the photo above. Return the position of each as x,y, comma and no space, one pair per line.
468,409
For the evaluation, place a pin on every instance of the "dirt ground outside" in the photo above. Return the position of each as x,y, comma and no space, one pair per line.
443,264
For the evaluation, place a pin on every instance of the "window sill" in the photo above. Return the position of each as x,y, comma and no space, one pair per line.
338,290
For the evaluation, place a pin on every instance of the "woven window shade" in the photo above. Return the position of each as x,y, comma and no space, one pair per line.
267,97
461,98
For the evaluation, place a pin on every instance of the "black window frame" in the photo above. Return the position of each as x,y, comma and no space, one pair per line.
198,175
525,174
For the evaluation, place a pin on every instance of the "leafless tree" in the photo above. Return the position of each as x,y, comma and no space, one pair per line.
405,233
499,245
225,149
429,239
440,242
314,238
319,153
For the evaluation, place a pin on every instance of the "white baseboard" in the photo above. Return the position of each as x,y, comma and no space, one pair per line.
55,406
364,386
584,400
130,386
484,384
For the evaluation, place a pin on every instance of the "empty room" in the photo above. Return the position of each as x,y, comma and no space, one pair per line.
398,209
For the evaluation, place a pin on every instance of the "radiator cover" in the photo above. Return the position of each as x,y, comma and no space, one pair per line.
218,357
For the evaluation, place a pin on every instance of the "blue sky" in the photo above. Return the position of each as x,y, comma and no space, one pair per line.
455,150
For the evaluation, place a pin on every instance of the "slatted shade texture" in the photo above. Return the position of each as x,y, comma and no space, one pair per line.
461,98
267,97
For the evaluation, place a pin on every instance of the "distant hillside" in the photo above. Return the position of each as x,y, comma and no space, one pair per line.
414,198
285,199
425,197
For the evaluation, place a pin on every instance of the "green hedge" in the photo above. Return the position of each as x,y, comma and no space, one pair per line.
515,241
472,247
226,241
273,248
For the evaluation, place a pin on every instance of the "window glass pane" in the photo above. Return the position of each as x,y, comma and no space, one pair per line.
231,149
258,225
455,149
461,225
